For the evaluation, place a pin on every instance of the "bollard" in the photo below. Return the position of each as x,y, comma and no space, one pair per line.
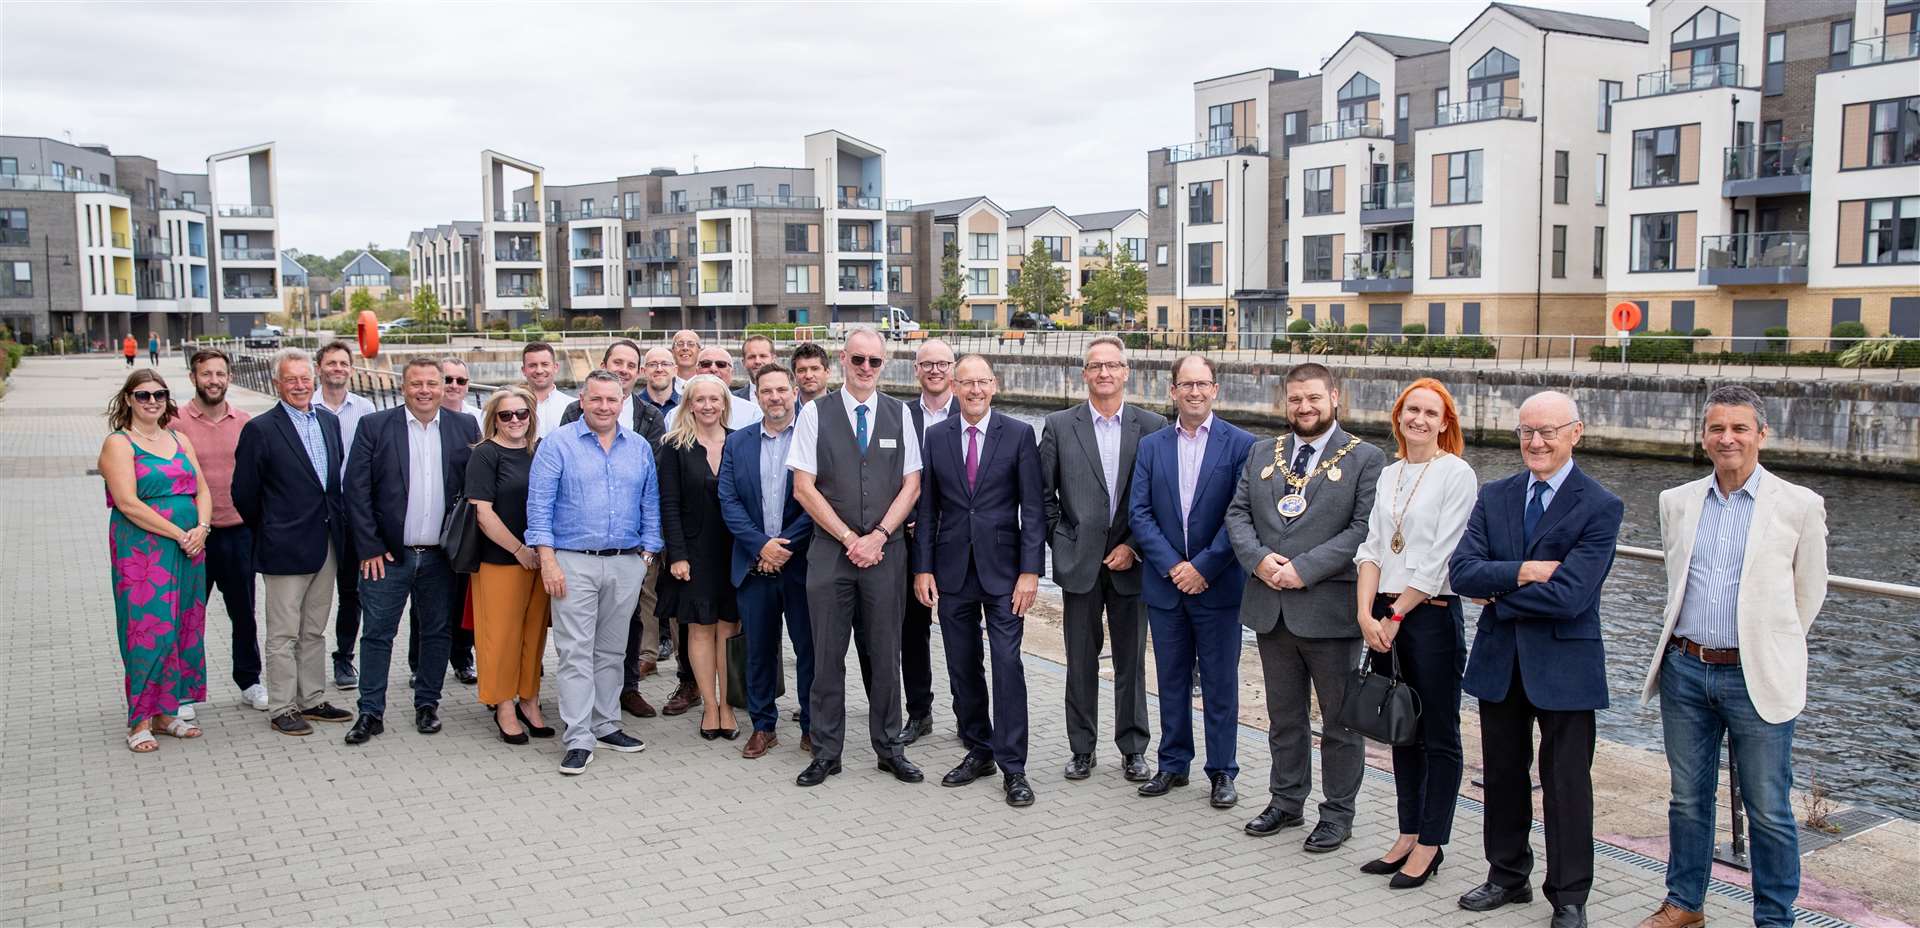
1734,852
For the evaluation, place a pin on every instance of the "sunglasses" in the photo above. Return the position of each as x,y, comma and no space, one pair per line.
706,364
150,396
462,381
861,360
515,415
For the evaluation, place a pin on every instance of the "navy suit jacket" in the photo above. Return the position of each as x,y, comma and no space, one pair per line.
377,476
292,514
1000,524
1551,629
1153,508
740,506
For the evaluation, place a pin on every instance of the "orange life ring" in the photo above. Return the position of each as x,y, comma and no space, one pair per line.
369,328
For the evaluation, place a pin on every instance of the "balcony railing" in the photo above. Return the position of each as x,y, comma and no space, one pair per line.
248,293
123,287
768,201
1770,159
716,285
121,240
664,288
155,290
652,253
589,289
1899,46
182,204
516,254
1346,129
723,246
1479,110
53,184
855,286
244,211
1214,148
858,202
519,293
1379,265
589,254
247,254
153,246
598,212
518,212
196,249
858,246
1396,194
1696,77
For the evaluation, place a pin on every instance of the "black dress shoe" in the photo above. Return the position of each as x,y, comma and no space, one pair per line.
1162,783
817,772
1403,881
1080,767
520,738
1134,768
1270,822
1223,795
1326,836
911,732
427,720
901,768
1019,793
364,728
1569,916
466,675
971,768
1488,896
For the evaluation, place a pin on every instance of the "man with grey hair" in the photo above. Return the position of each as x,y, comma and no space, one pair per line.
453,372
287,489
1746,556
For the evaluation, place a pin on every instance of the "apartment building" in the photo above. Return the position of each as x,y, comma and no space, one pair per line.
246,227
1120,229
94,245
977,226
445,260
1060,234
1767,169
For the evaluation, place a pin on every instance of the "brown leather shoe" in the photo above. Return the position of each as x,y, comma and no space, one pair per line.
648,668
684,698
806,744
759,744
636,705
1669,915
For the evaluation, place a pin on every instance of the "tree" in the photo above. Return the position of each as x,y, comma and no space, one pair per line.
536,298
1120,286
360,301
1042,288
426,306
948,303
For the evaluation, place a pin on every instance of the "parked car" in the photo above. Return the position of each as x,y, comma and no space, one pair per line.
1032,321
264,336
404,322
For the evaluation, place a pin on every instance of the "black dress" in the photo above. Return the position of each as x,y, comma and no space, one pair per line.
691,522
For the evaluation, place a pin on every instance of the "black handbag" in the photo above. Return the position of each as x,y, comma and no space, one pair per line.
737,674
1380,706
460,537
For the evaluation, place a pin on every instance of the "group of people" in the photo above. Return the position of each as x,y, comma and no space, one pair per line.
661,506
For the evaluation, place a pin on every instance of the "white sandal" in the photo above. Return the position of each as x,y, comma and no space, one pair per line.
142,737
180,728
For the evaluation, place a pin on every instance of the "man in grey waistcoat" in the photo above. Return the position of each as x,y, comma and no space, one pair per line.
1296,520
856,471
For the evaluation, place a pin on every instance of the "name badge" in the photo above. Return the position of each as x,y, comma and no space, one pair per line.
889,443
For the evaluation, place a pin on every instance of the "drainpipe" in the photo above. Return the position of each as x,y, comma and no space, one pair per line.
1244,165
1540,207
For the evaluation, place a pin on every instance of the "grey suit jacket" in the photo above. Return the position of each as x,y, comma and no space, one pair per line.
1079,529
1320,542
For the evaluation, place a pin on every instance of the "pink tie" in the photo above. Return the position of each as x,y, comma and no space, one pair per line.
973,454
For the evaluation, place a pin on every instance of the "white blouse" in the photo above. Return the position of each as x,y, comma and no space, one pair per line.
1431,527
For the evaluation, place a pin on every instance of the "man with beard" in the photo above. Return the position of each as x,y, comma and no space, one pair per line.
1299,514
810,374
336,369
539,366
933,367
213,425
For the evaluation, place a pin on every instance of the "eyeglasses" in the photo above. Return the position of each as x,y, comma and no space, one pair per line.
150,396
935,367
1549,433
462,381
659,365
979,384
1095,367
515,415
1191,386
709,364
862,360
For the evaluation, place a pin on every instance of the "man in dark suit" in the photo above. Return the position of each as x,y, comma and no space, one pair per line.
981,533
1094,560
933,369
1537,549
1183,479
770,536
1300,600
405,472
286,488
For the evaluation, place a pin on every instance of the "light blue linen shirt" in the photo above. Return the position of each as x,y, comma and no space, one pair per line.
583,498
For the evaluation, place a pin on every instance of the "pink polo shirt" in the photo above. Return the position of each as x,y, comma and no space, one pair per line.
214,441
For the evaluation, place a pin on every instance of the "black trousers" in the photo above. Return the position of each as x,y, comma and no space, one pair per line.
230,568
993,727
1085,636
1566,778
1426,775
346,621
916,658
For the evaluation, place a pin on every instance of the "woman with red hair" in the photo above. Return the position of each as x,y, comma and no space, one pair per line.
1407,609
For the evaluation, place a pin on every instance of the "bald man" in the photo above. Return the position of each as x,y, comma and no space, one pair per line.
686,354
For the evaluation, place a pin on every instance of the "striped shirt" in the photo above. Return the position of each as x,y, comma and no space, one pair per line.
307,424
1709,614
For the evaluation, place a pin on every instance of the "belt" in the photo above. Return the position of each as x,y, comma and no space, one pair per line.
1705,654
419,548
604,552
1441,601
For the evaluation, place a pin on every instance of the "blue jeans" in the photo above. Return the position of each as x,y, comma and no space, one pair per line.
424,575
1213,635
1699,704
763,600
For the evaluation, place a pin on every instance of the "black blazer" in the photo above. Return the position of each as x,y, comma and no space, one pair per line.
1000,524
292,514
687,512
376,486
647,420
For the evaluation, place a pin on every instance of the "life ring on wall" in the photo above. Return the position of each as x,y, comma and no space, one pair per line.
369,330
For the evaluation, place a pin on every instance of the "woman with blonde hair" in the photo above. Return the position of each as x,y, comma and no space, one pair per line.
696,589
1406,609
509,602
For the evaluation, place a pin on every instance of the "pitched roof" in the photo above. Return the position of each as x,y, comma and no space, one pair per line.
289,266
946,207
358,265
1020,218
1106,220
1403,46
1576,23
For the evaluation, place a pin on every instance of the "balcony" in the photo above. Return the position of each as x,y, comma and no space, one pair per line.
246,254
721,247
771,201
594,289
239,211
1479,110
858,246
248,293
598,212
1753,258
661,288
121,240
1379,272
857,202
49,183
183,204
123,287
849,285
1683,80
1388,203
518,212
1362,128
522,292
1768,170
516,254
154,290
589,254
1900,46
653,254
153,246
1214,148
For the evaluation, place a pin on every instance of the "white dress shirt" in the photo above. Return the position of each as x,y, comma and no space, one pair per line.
551,410
426,484
1431,526
931,416
1319,446
804,456
1106,436
350,412
964,426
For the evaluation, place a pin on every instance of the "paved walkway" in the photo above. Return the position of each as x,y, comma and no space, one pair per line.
247,827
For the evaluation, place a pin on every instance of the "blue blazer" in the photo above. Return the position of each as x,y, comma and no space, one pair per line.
376,485
1551,629
1000,524
1153,510
292,514
740,507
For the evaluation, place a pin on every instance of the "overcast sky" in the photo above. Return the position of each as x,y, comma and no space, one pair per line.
380,110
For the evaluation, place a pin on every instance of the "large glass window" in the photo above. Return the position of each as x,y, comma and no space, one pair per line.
1160,195
1316,257
1354,95
1774,81
1463,177
1893,132
980,281
1486,79
1056,246
796,237
1711,42
1656,157
986,246
1893,231
1463,252
1316,187
18,280
1653,241
1200,263
1200,202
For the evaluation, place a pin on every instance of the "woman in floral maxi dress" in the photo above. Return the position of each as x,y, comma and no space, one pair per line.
158,536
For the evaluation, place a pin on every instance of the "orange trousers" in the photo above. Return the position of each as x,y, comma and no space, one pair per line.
509,632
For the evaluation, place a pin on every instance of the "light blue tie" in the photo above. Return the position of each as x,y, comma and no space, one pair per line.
860,427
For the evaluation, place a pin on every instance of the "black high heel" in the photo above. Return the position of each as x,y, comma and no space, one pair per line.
1403,881
520,738
709,733
731,734
1384,867
538,731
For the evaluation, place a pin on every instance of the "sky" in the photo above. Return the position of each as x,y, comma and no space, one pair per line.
379,111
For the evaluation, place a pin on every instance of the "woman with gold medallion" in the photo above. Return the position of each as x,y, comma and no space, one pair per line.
1407,610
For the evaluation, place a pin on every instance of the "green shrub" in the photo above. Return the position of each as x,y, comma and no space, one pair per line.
1206,342
1702,332
1136,341
1413,328
587,323
778,331
1849,330
1643,349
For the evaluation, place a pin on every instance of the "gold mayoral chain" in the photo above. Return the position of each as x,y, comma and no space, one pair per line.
1295,503
1399,542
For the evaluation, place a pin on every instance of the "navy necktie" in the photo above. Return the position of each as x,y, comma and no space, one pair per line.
1535,509
1300,459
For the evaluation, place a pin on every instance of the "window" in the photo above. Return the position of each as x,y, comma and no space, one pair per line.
1840,43
1599,252
1200,202
899,240
1600,180
786,193
797,238
1056,245
1316,186
19,279
1893,132
1609,92
900,279
743,191
980,281
1402,110
1707,51
1893,231
1559,252
1487,78
1774,81
1160,255
1291,127
1463,177
1561,169
986,246
1316,257
1203,319
586,207
1656,157
1707,24
9,165
1200,263
1160,313
59,170
1653,241
1160,195
1442,97
1356,97
802,278
677,201
13,227
717,194
1463,252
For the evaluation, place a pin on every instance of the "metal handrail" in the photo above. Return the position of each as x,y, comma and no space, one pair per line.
1770,159
1362,127
1479,110
1834,581
1215,148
